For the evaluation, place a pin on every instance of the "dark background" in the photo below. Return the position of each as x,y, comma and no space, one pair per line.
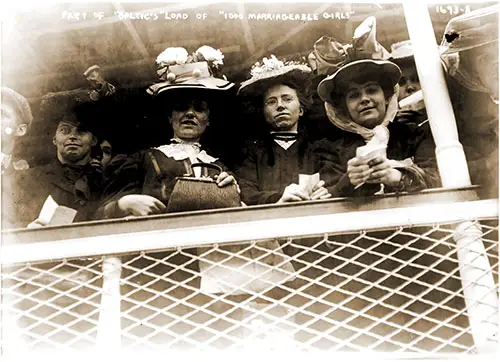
46,53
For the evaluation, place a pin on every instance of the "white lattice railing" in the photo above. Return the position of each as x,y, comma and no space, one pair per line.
380,275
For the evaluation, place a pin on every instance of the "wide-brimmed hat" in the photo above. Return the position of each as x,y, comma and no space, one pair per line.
357,69
471,30
199,71
272,71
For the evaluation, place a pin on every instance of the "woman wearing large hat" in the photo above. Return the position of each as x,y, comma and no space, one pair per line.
141,184
375,153
270,170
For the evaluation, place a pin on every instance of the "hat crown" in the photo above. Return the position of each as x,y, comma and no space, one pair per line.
177,69
175,61
329,55
402,49
471,30
272,70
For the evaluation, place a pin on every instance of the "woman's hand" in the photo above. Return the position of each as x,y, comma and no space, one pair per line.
358,171
293,192
319,192
225,179
141,205
383,172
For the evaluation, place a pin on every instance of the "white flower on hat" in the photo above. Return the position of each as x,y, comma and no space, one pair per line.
172,56
209,54
269,65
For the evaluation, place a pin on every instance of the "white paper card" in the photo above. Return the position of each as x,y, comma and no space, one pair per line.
48,209
308,182
54,214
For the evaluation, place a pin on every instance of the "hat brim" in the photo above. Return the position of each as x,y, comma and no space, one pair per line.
355,70
211,84
262,81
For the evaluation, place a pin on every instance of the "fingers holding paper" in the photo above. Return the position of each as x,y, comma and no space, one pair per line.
319,192
358,171
293,192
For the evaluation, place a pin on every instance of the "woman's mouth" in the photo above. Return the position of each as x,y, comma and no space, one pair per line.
366,109
282,115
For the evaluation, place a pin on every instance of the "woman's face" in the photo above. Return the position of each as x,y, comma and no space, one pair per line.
73,144
282,108
366,103
190,119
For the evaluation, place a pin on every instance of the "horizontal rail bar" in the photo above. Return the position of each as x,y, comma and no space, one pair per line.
162,239
235,215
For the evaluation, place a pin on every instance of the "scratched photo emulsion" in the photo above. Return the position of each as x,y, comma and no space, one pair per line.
252,177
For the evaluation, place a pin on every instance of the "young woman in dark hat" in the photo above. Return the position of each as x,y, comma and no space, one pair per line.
271,166
375,154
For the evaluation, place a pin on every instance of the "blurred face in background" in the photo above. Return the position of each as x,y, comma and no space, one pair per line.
189,119
409,82
73,143
484,59
282,108
12,127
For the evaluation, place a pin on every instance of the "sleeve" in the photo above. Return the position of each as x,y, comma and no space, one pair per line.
422,172
247,177
123,176
332,168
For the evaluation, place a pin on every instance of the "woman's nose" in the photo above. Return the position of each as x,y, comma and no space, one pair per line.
280,104
410,88
190,112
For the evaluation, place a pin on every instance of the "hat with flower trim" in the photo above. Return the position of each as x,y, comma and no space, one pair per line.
272,71
200,70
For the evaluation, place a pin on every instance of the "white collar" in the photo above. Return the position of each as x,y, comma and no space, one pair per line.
182,151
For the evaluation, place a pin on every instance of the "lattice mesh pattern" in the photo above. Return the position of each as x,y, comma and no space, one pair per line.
391,291
51,304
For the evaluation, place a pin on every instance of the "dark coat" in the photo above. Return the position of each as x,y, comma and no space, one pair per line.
146,172
407,140
26,192
262,181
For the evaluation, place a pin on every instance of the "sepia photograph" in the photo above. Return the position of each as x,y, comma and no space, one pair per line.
245,178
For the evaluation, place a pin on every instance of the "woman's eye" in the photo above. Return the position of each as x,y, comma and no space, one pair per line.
372,90
353,95
287,99
270,102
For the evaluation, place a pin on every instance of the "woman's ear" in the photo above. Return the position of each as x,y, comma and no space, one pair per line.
94,140
54,141
301,113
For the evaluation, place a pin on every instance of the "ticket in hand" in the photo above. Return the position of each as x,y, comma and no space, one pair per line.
54,214
307,182
366,154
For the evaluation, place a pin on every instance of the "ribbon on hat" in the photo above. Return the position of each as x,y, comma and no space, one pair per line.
329,55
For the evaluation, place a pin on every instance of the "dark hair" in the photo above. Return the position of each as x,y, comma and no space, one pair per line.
339,94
